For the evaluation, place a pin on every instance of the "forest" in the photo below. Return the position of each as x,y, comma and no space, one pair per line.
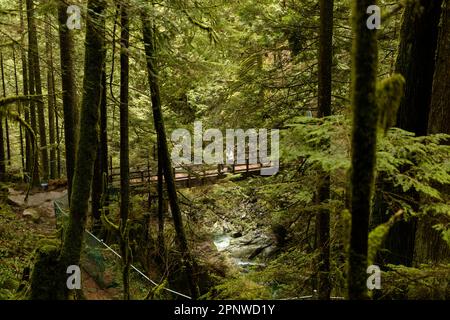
225,150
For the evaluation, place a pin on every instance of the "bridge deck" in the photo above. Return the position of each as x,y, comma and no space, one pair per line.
186,176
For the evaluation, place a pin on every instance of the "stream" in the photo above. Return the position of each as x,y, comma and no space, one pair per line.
240,249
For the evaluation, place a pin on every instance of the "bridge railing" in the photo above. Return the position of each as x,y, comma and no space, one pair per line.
144,173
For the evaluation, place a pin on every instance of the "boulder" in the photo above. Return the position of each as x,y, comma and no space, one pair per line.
31,214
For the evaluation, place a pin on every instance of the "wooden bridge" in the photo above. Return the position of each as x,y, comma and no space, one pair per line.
186,176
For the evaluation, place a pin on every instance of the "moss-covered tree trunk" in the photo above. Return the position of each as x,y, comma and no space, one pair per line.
8,142
99,182
50,99
88,134
364,138
2,143
69,95
324,107
160,187
8,145
124,147
8,148
23,58
34,56
35,180
19,110
152,72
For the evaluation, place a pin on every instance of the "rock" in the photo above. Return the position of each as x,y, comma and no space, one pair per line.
269,252
248,246
32,214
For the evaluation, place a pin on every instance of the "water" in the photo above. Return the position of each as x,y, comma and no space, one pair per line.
222,241
246,263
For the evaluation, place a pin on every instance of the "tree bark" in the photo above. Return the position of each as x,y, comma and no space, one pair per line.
34,56
50,98
416,62
439,119
58,140
364,137
2,145
124,146
187,259
324,107
19,110
161,244
99,182
23,58
35,180
8,149
88,134
69,95
8,143
429,243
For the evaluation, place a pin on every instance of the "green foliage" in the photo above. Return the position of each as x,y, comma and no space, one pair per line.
282,274
377,236
17,243
425,282
239,288
414,163
408,163
316,139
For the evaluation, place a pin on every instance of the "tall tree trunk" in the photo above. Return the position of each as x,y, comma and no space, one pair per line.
8,148
364,137
160,186
152,72
124,146
439,119
429,243
34,56
8,143
69,94
2,146
88,133
35,180
415,61
324,106
23,58
101,161
104,136
19,110
50,98
58,139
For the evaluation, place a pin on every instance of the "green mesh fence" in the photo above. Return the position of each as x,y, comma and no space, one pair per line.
102,267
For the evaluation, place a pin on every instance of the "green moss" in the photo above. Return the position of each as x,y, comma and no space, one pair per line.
240,288
364,141
389,96
47,273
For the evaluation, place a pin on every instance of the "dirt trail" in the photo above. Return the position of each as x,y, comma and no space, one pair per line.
42,203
